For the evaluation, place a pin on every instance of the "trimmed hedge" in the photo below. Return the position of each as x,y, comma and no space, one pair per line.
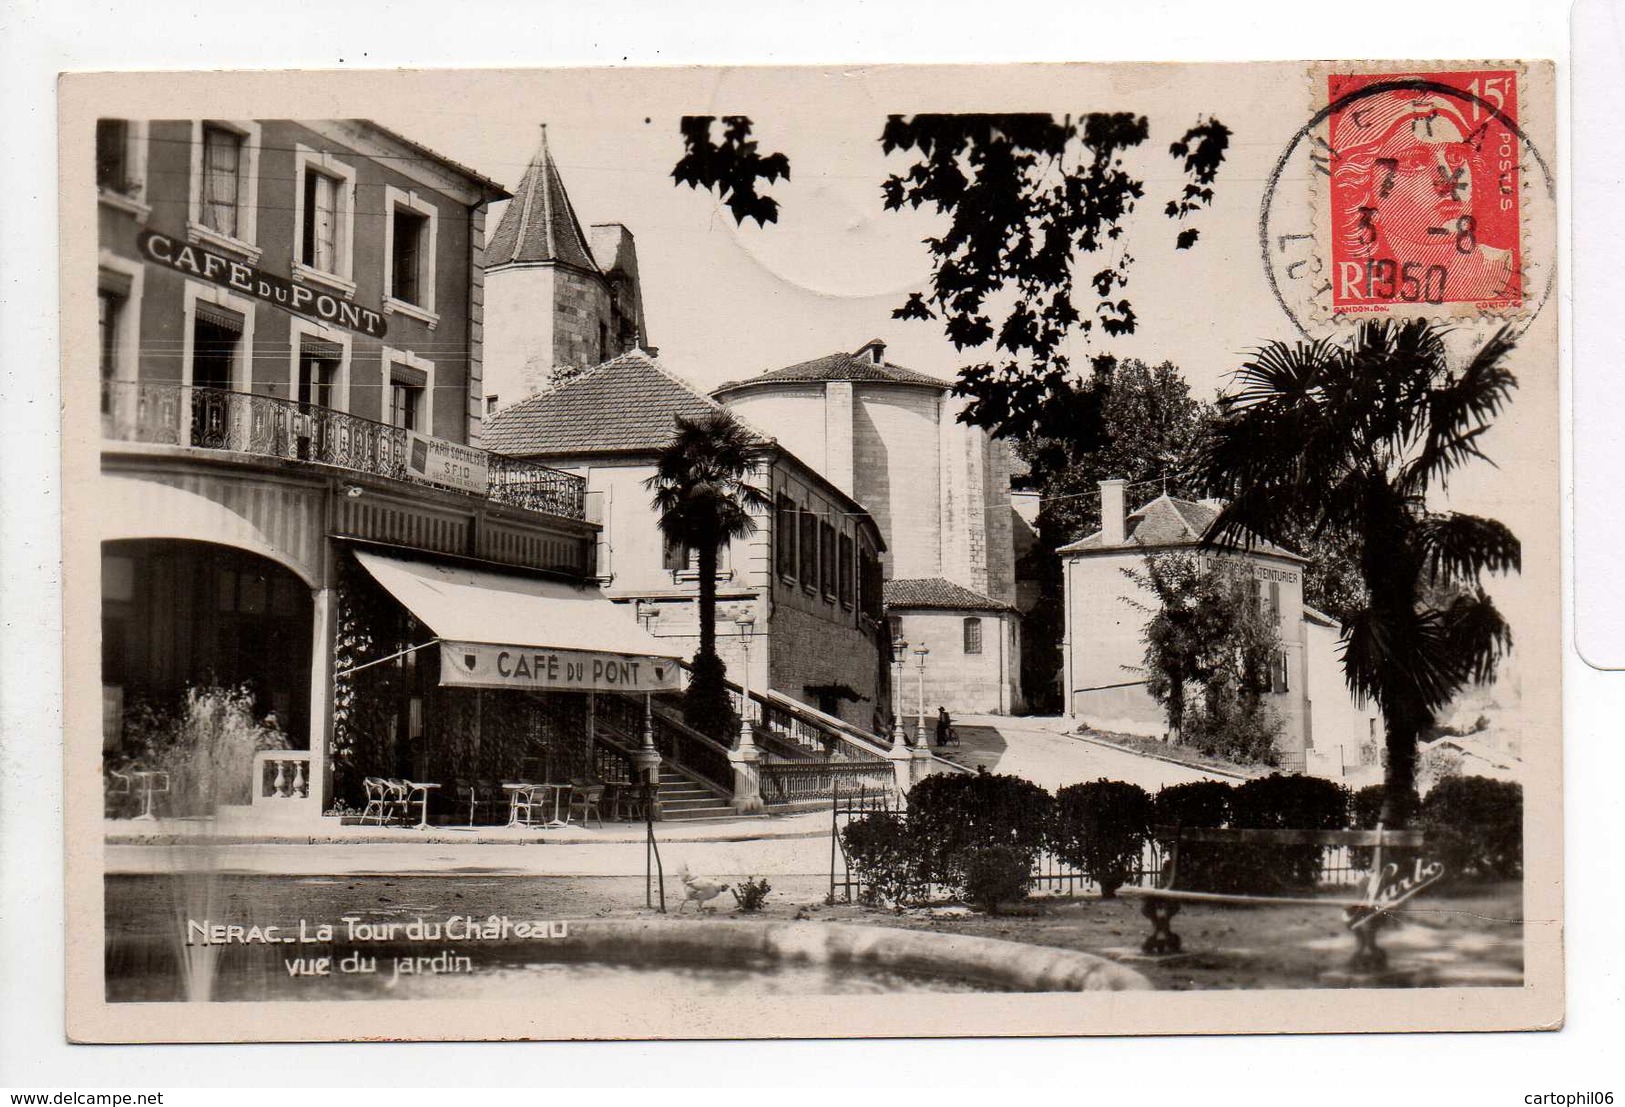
1475,827
1101,827
973,836
950,815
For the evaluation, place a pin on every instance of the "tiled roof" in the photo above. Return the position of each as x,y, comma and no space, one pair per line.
628,404
840,367
1167,521
539,224
934,592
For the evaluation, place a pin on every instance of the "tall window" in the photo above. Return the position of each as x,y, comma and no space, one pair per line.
870,585
113,154
807,541
319,238
1272,604
784,545
973,636
826,558
406,273
848,571
1279,681
108,306
222,180
405,400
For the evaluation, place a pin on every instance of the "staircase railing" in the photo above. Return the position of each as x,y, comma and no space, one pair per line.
793,781
679,745
813,731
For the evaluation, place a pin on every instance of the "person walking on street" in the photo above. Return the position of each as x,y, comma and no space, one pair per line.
945,727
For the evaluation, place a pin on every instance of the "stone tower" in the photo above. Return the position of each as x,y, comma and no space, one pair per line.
553,296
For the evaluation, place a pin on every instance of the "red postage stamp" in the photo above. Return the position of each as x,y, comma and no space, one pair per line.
1424,191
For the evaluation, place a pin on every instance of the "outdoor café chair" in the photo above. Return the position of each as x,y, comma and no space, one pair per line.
586,798
396,795
374,788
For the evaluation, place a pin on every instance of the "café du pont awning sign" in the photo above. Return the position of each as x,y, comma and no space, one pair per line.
481,665
235,275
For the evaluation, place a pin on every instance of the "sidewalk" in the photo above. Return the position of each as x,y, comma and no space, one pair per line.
773,846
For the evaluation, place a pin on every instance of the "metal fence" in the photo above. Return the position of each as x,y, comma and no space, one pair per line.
1341,867
269,426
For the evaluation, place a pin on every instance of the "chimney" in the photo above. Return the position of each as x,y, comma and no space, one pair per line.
1113,512
873,350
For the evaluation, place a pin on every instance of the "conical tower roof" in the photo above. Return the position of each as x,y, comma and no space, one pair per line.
539,225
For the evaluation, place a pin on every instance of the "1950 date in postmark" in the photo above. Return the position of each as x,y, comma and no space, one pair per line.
1423,196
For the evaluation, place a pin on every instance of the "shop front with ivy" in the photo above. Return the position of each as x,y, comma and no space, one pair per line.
466,678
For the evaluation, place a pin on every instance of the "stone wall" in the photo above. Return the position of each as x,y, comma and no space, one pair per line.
964,683
896,473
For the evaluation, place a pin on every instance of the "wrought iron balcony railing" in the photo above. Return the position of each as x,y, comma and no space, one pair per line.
268,426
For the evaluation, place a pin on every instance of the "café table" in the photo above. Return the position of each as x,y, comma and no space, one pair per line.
421,791
148,779
559,792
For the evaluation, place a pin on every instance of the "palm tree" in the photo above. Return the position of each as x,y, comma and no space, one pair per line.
701,490
1346,442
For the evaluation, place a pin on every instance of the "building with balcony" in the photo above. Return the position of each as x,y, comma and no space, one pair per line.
292,481
799,601
890,438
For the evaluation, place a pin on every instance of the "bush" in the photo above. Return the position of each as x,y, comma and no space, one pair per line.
1474,826
752,893
1242,730
1285,802
995,875
1101,828
951,814
1365,811
1200,803
707,706
882,854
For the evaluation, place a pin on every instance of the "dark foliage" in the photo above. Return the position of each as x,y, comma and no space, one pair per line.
1201,803
1209,638
1475,827
1031,199
1101,827
1345,442
730,168
1283,802
701,489
996,875
951,814
707,706
884,856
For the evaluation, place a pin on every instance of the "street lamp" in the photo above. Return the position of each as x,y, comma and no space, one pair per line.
746,622
899,657
919,735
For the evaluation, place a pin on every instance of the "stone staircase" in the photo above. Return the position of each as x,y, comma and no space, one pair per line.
682,798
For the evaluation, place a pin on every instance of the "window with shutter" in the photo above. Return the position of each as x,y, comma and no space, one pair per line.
784,538
320,249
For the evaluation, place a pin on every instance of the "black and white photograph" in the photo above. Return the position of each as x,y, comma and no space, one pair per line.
799,552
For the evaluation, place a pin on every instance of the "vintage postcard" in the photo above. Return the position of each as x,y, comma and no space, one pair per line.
867,551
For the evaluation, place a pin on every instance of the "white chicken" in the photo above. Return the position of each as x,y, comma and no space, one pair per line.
699,890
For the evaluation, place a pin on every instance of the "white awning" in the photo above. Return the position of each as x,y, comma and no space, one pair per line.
506,631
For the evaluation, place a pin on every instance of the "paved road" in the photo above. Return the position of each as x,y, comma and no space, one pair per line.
1040,750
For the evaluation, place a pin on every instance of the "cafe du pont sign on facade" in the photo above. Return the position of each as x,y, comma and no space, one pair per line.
481,665
235,275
